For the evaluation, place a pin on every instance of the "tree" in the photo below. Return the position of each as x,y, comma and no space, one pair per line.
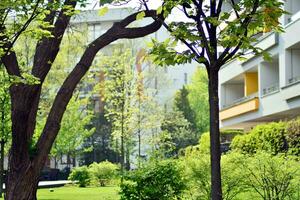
198,99
75,128
181,103
210,29
118,91
179,130
26,161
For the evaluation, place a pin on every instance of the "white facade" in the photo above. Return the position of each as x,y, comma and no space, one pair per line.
277,94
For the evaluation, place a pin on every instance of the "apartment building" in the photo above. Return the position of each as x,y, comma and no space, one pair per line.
254,91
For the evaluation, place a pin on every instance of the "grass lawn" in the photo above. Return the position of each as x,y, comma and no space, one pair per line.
76,193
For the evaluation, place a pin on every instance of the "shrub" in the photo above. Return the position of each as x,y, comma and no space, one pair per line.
293,136
103,172
161,181
268,137
197,172
258,176
225,136
80,174
272,177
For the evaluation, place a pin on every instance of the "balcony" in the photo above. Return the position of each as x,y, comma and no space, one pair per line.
269,77
239,95
242,106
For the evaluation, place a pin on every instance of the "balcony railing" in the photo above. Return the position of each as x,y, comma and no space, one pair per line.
294,17
240,100
294,79
271,89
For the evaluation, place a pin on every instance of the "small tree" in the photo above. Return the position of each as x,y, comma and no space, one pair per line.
118,91
210,29
75,129
80,174
272,177
103,172
198,99
158,180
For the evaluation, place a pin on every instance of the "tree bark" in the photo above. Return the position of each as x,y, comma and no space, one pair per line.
23,183
215,152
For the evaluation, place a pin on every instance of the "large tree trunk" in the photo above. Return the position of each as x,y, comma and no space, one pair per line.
23,173
22,184
215,152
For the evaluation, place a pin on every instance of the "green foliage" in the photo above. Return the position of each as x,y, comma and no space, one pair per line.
103,172
5,107
268,137
170,55
177,128
197,172
75,125
204,143
198,99
293,136
181,103
236,29
161,180
271,177
80,174
226,136
118,91
74,129
259,176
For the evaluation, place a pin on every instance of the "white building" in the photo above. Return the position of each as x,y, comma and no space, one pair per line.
255,91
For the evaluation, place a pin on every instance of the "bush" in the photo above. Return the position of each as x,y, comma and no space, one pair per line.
293,136
103,172
161,181
225,136
267,137
272,177
258,176
80,174
197,172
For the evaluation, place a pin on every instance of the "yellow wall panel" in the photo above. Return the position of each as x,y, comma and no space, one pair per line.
251,83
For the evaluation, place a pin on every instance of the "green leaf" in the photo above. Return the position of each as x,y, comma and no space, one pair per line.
140,16
103,11
159,10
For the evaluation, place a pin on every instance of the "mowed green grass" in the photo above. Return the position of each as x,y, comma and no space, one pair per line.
76,193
